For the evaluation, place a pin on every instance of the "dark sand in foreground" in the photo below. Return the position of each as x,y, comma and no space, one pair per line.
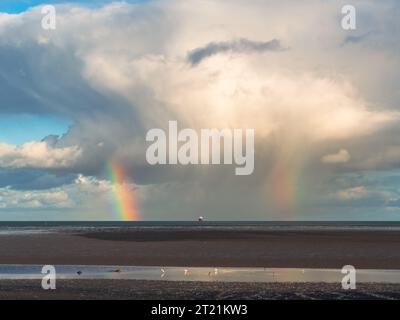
163,290
208,248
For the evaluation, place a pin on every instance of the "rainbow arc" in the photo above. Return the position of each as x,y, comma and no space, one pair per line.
125,205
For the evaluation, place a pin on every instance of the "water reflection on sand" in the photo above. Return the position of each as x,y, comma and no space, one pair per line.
198,274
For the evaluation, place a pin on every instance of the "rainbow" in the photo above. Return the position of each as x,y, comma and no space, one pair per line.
123,195
286,190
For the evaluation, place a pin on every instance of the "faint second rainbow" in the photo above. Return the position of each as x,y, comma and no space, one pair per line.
286,189
123,195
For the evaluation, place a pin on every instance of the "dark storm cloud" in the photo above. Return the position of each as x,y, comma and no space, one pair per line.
33,179
196,56
45,79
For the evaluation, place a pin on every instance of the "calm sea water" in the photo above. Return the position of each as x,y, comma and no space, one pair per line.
24,227
121,224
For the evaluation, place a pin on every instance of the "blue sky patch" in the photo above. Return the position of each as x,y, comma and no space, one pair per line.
12,6
17,129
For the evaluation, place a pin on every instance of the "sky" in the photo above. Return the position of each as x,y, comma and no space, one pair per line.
18,6
76,104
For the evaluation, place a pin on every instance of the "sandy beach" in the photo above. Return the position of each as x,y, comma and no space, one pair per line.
206,247
197,247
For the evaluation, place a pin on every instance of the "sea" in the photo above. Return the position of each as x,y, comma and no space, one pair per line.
27,227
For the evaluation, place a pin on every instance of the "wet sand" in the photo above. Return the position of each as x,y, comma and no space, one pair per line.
162,290
206,247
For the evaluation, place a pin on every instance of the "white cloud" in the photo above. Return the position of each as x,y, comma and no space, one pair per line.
34,199
37,155
353,193
342,156
82,193
266,91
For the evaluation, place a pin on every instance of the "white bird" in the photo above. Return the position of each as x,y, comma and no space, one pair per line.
186,272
